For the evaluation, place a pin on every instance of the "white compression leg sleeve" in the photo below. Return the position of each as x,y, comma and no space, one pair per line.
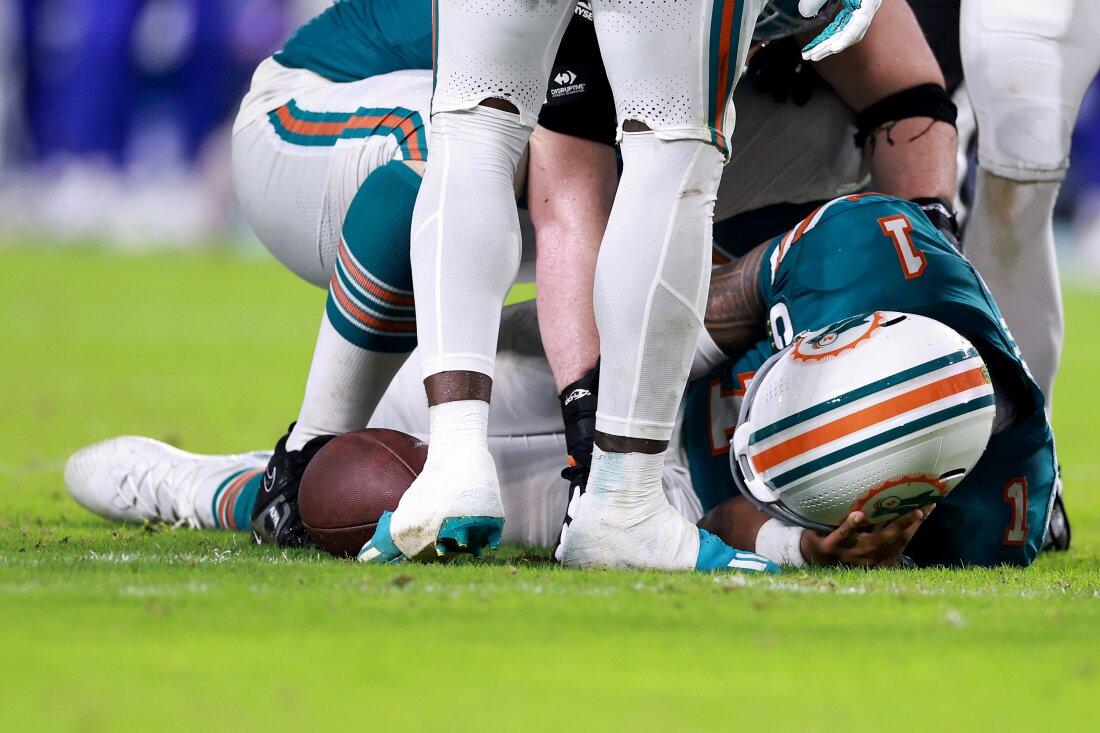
466,237
1010,240
651,281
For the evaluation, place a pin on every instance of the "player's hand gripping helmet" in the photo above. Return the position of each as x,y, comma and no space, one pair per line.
881,412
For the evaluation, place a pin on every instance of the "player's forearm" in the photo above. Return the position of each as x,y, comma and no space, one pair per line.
911,157
914,158
735,307
736,522
892,56
739,524
571,187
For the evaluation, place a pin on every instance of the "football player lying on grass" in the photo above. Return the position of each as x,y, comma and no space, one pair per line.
882,409
331,137
878,381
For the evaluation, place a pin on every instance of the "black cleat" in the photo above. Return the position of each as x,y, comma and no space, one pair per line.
275,517
1058,534
578,409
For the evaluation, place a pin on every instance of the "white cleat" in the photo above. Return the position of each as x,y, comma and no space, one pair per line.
136,479
611,531
608,533
448,509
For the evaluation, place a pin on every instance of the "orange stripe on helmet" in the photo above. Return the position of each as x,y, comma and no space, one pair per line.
791,448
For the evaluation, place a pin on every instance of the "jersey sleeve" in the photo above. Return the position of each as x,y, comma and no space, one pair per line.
766,276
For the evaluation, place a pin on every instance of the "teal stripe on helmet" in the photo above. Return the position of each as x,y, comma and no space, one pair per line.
857,394
875,441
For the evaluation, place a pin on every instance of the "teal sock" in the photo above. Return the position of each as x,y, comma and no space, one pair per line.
233,500
370,301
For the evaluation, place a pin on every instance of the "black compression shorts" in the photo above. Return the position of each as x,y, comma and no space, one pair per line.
579,102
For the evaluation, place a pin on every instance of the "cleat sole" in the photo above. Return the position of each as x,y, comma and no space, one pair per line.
472,535
380,549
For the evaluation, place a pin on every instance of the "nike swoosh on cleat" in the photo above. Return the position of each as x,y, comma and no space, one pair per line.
269,479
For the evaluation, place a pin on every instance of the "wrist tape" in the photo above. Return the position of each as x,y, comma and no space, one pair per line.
781,543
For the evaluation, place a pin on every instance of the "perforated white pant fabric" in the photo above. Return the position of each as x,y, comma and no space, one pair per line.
668,61
672,63
499,49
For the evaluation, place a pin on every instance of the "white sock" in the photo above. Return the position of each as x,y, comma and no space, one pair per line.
651,282
344,386
456,427
626,479
459,478
1010,241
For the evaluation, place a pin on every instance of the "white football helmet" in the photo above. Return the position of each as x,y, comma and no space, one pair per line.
882,412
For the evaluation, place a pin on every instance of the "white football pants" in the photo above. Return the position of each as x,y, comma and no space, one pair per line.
1028,65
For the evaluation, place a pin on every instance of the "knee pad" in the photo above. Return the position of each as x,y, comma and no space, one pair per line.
1025,76
370,299
1025,140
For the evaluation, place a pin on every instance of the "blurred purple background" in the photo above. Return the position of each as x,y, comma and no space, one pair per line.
115,116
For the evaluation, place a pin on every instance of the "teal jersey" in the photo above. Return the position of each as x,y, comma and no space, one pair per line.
358,39
872,252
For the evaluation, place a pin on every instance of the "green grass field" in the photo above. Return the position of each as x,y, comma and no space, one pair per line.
110,627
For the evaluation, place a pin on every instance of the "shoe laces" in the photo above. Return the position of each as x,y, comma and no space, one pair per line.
164,489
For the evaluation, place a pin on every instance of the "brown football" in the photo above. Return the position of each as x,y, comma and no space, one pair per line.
352,480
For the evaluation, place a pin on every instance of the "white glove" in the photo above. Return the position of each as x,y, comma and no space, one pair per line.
847,28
